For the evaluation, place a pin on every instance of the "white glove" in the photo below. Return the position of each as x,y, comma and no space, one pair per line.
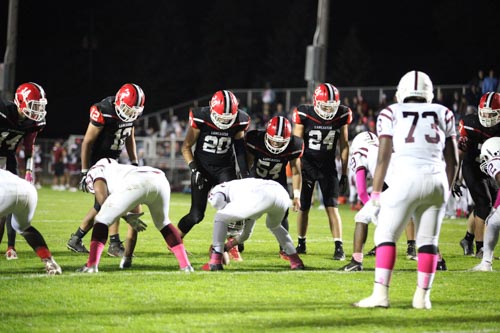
371,209
135,222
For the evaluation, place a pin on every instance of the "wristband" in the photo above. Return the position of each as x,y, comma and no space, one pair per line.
296,194
29,164
134,162
375,196
84,170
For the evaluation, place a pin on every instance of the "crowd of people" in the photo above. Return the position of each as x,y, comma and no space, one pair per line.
425,152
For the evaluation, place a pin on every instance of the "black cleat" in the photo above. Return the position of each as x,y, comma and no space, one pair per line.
468,247
339,253
301,248
441,265
371,252
353,266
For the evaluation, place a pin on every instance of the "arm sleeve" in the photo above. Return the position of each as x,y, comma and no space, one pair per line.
361,185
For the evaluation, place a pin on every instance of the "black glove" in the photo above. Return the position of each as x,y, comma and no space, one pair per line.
83,184
197,178
343,184
457,189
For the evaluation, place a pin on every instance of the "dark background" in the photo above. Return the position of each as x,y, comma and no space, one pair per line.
83,51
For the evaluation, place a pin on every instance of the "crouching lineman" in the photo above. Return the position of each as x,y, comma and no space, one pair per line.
248,199
118,188
490,164
19,198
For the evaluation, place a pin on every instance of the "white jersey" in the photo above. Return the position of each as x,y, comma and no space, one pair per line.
366,158
17,197
241,188
419,137
114,173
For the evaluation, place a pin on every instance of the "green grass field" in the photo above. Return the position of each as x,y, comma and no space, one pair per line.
259,294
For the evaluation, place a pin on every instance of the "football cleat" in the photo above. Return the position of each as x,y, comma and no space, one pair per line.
301,248
339,253
75,244
85,269
187,269
126,262
373,302
116,249
468,247
441,265
411,252
482,267
11,253
372,251
479,254
284,256
295,262
353,266
234,254
51,266
212,267
421,299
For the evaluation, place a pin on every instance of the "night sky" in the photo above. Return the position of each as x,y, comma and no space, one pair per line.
181,50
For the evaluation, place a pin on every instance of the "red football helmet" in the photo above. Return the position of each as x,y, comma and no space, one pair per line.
223,109
278,134
489,109
129,102
326,100
30,100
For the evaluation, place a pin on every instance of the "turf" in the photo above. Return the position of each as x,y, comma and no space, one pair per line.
259,294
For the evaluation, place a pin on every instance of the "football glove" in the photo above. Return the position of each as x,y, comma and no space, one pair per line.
371,209
197,178
83,184
343,184
135,222
457,189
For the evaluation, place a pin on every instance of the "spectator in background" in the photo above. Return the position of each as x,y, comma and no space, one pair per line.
268,95
58,158
490,83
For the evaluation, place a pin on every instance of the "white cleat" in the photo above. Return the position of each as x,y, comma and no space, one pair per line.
482,267
421,299
51,266
373,302
187,269
85,269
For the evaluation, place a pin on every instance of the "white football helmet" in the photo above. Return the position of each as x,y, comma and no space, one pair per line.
415,84
489,150
219,197
362,141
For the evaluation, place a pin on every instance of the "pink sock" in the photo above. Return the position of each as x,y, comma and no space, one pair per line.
426,269
181,255
96,249
384,263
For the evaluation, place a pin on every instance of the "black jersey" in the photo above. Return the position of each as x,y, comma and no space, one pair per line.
320,135
115,132
214,147
472,137
13,129
267,165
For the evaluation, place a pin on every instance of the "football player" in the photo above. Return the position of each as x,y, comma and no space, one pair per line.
490,165
215,130
474,131
18,198
118,188
322,126
248,199
269,151
364,148
20,121
419,137
111,128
